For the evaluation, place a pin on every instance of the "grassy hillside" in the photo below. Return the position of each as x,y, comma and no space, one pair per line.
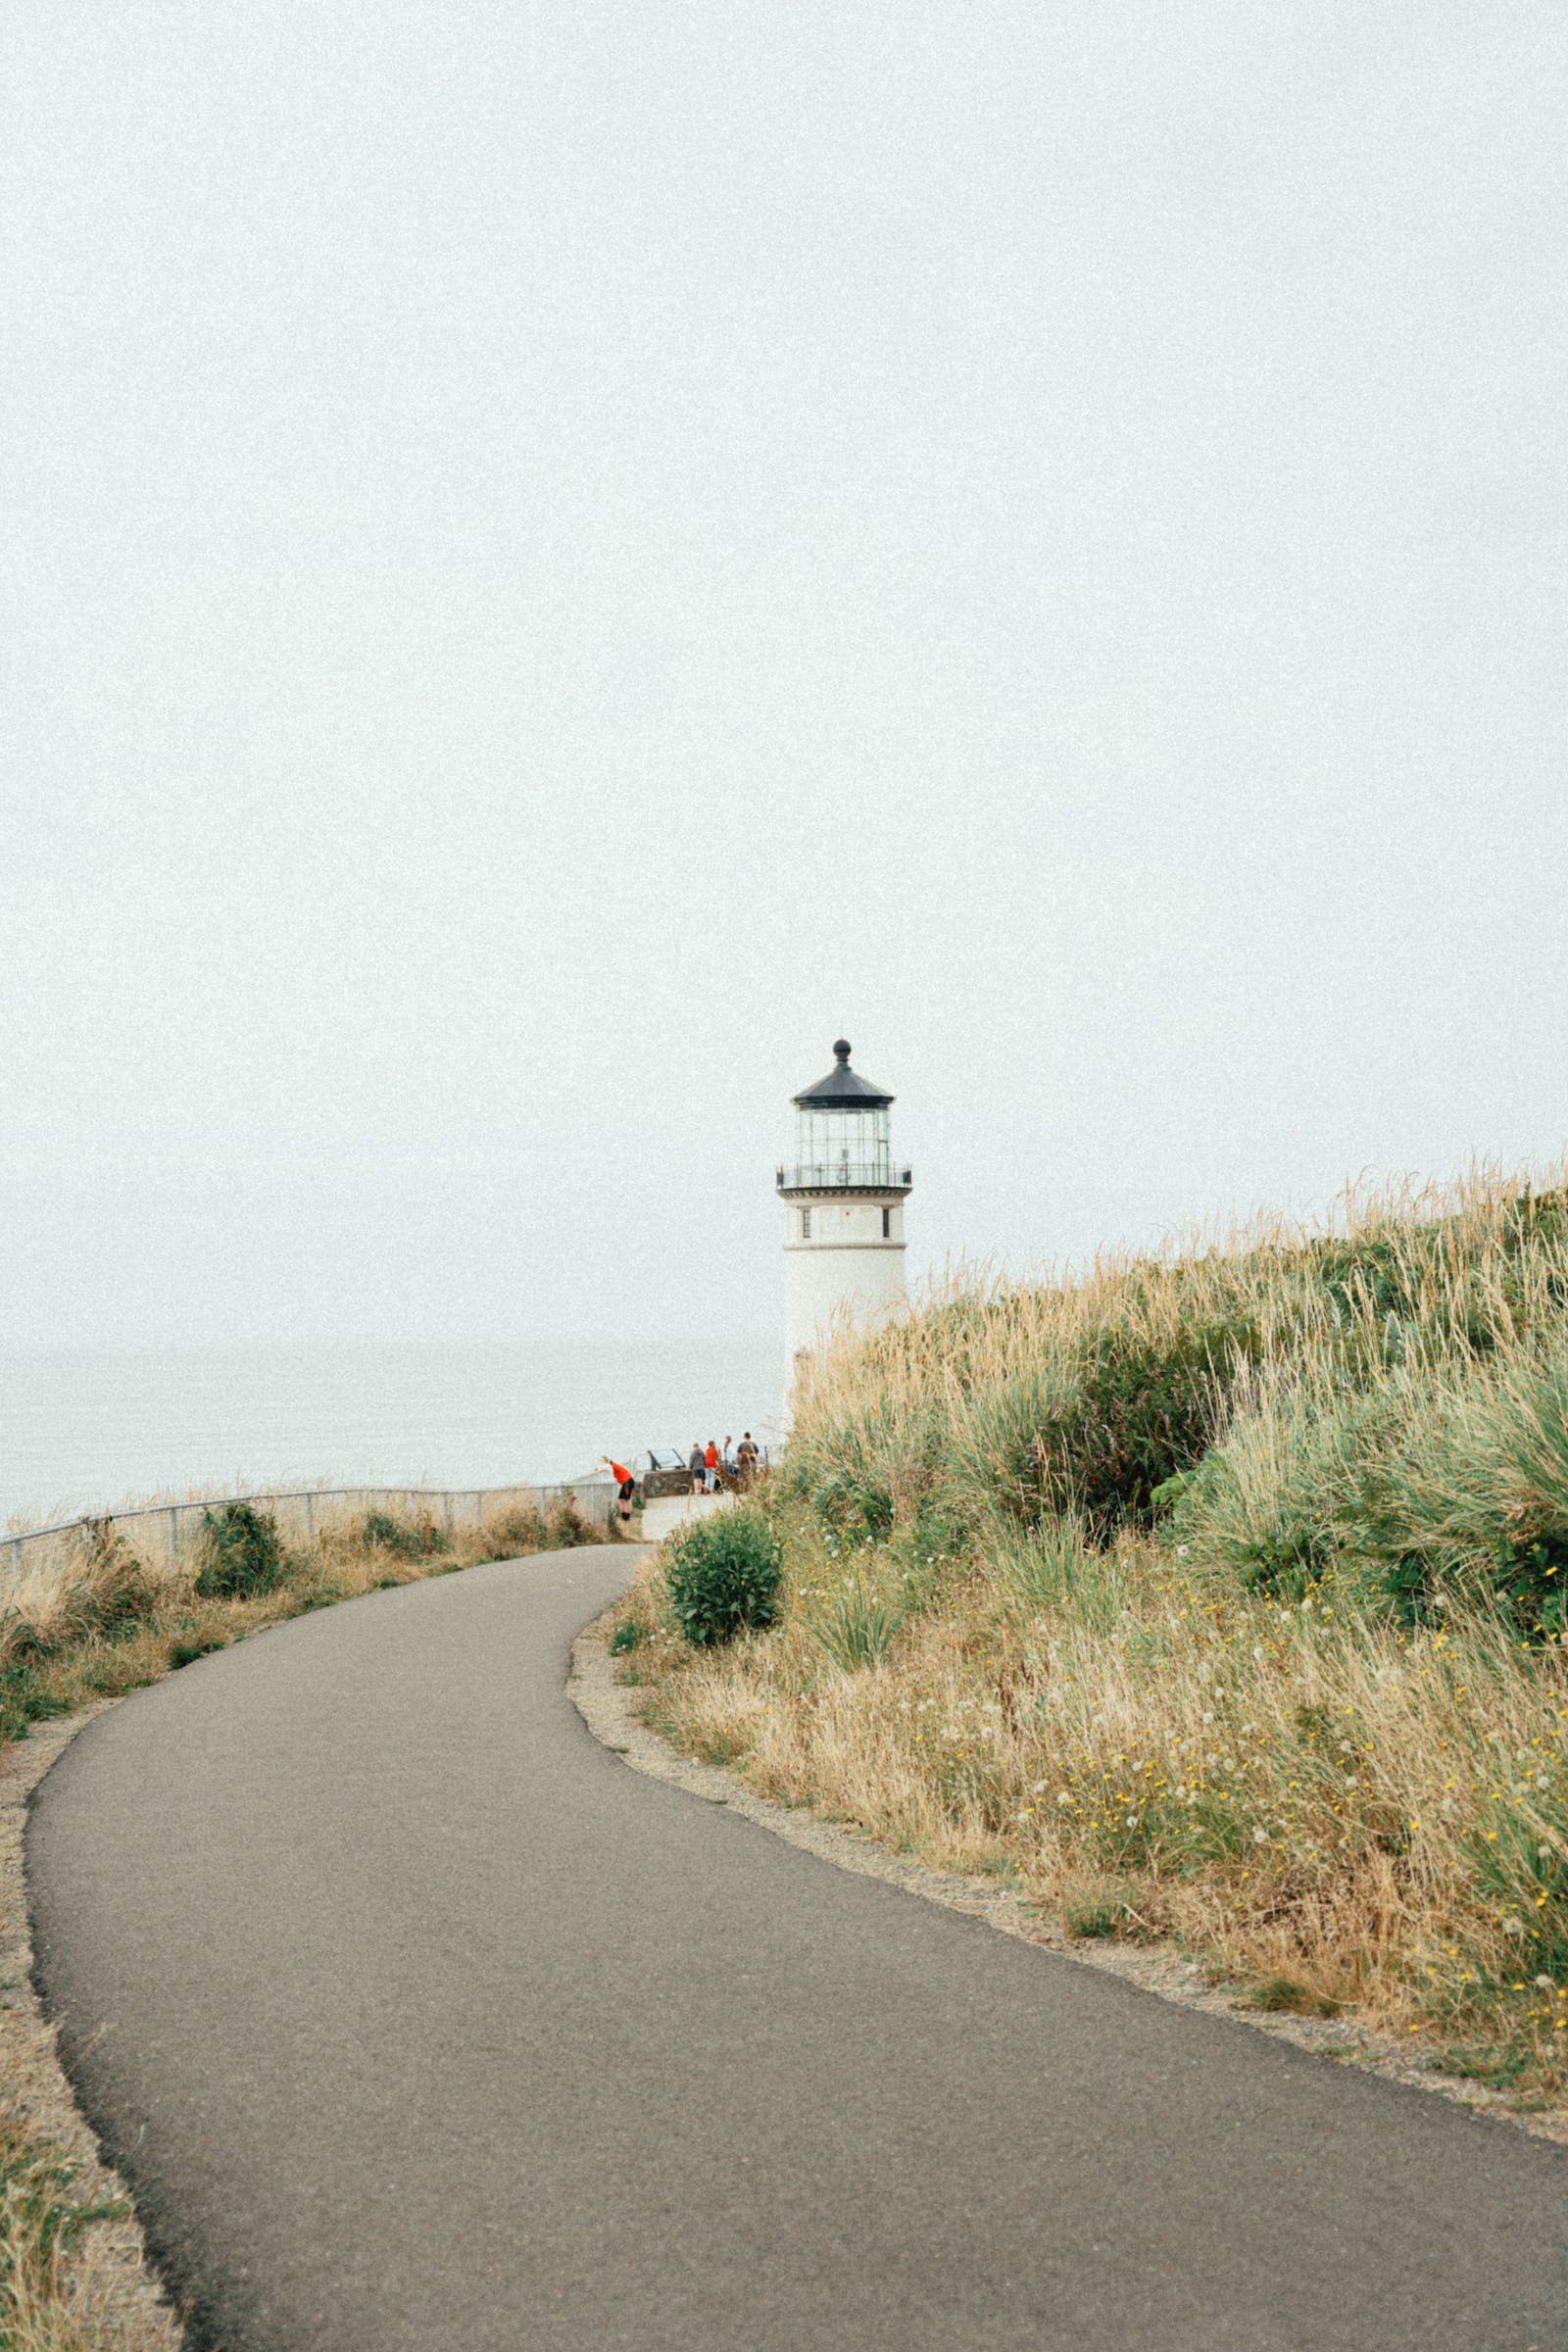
1220,1599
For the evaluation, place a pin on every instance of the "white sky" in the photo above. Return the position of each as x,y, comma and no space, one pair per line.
559,556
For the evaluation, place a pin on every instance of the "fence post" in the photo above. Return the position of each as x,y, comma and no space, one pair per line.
309,1518
174,1536
446,1513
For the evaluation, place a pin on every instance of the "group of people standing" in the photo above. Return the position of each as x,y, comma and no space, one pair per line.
711,1466
730,1465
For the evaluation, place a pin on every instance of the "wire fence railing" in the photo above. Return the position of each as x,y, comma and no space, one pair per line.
167,1530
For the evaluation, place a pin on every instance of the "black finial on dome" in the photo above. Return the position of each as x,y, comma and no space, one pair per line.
843,1089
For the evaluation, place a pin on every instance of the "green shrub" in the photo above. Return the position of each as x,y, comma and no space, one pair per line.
1094,1908
854,1506
185,1653
854,1625
566,1527
240,1553
1287,1996
405,1538
24,1699
115,1592
514,1534
862,1473
1101,1429
624,1638
1276,1502
1477,1499
109,1593
723,1574
1002,1443
1424,1487
1147,1409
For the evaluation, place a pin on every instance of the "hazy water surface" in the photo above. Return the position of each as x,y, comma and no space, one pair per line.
80,1430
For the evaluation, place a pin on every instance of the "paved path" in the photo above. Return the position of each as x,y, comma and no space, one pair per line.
666,1512
424,2023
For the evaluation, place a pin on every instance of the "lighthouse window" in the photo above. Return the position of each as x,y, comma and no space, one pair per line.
887,1224
805,1224
839,1146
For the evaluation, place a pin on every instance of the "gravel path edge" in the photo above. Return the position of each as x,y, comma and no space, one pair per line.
115,2288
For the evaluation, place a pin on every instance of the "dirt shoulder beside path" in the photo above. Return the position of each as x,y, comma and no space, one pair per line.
116,2298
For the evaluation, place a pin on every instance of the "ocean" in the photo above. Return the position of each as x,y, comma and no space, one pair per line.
83,1429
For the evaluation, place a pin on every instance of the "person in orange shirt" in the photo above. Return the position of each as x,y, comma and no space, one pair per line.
711,1467
625,1480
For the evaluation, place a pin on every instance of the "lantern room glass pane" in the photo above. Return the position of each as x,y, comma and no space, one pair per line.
842,1146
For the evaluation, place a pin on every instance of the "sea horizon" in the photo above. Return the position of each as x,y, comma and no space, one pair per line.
84,1429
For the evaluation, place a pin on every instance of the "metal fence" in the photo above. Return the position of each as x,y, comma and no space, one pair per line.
165,1529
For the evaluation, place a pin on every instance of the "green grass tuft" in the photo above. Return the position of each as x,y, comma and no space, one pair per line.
854,1625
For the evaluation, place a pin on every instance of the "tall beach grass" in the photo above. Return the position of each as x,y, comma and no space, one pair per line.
1217,1596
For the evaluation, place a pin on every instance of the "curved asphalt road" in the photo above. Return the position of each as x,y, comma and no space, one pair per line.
420,2024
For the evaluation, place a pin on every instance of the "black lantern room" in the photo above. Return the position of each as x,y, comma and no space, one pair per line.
842,1142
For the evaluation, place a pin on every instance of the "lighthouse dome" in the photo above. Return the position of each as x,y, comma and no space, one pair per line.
843,1089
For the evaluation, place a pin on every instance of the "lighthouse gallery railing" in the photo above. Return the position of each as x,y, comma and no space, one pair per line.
844,1176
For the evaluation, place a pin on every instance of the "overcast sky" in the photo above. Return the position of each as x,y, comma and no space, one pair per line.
560,556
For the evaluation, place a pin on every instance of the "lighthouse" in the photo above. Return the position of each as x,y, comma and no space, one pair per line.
843,1214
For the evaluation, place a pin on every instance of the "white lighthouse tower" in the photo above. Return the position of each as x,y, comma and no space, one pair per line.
843,1214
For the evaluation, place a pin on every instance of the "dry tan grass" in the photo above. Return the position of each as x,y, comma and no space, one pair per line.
1344,1807
57,2293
